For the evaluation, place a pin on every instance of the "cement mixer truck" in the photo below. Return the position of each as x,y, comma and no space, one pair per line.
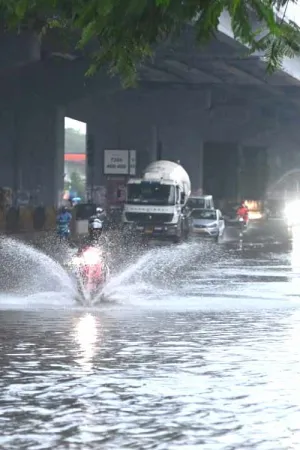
155,204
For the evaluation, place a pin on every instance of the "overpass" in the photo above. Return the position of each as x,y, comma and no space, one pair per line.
195,99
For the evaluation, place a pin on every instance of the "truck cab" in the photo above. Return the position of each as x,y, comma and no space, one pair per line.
154,205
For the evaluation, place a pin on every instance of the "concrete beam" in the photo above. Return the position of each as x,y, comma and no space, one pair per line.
55,81
282,98
59,81
186,72
290,66
18,50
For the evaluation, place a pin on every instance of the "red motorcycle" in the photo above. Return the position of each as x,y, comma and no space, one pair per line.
92,271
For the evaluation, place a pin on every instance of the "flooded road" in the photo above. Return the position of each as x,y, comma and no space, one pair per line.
201,353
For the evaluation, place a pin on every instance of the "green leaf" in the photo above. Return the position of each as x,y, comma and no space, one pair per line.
21,8
125,33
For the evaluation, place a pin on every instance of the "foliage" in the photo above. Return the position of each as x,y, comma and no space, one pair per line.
125,33
74,141
76,184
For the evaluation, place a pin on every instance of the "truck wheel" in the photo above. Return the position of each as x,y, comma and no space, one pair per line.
177,239
186,233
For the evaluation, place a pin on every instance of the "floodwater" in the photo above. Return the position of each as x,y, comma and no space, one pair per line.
197,347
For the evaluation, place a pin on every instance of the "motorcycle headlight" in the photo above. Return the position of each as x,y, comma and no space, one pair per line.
91,258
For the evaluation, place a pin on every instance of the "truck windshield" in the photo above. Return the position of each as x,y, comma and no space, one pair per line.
150,193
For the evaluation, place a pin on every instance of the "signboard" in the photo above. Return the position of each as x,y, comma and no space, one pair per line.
119,162
116,162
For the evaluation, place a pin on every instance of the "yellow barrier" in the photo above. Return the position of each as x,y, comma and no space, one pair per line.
25,220
28,219
50,221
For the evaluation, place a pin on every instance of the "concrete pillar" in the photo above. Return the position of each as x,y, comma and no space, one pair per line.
6,148
185,145
192,160
38,153
154,142
95,175
240,170
220,162
198,183
254,171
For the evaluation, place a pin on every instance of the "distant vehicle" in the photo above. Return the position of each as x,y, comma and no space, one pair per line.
95,225
201,202
208,222
255,210
243,225
155,204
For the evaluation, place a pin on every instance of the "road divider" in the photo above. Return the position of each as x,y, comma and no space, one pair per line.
27,219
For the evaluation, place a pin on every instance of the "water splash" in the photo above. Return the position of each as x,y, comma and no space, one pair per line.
158,272
29,275
86,288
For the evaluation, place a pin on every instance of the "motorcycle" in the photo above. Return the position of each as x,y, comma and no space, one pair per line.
92,273
243,224
95,228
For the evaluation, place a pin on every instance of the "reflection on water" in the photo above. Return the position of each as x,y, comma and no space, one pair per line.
86,335
149,372
159,380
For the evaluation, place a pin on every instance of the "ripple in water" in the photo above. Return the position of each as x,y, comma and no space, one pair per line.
214,381
29,277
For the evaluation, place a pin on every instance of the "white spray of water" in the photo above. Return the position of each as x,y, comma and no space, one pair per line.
32,277
188,276
155,274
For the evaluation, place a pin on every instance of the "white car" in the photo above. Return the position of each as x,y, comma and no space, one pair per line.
208,222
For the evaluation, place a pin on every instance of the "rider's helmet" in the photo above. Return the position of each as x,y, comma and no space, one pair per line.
99,210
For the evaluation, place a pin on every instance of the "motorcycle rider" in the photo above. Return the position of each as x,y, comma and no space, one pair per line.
63,222
243,212
96,224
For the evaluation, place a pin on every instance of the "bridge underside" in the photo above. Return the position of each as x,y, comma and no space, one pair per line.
192,97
